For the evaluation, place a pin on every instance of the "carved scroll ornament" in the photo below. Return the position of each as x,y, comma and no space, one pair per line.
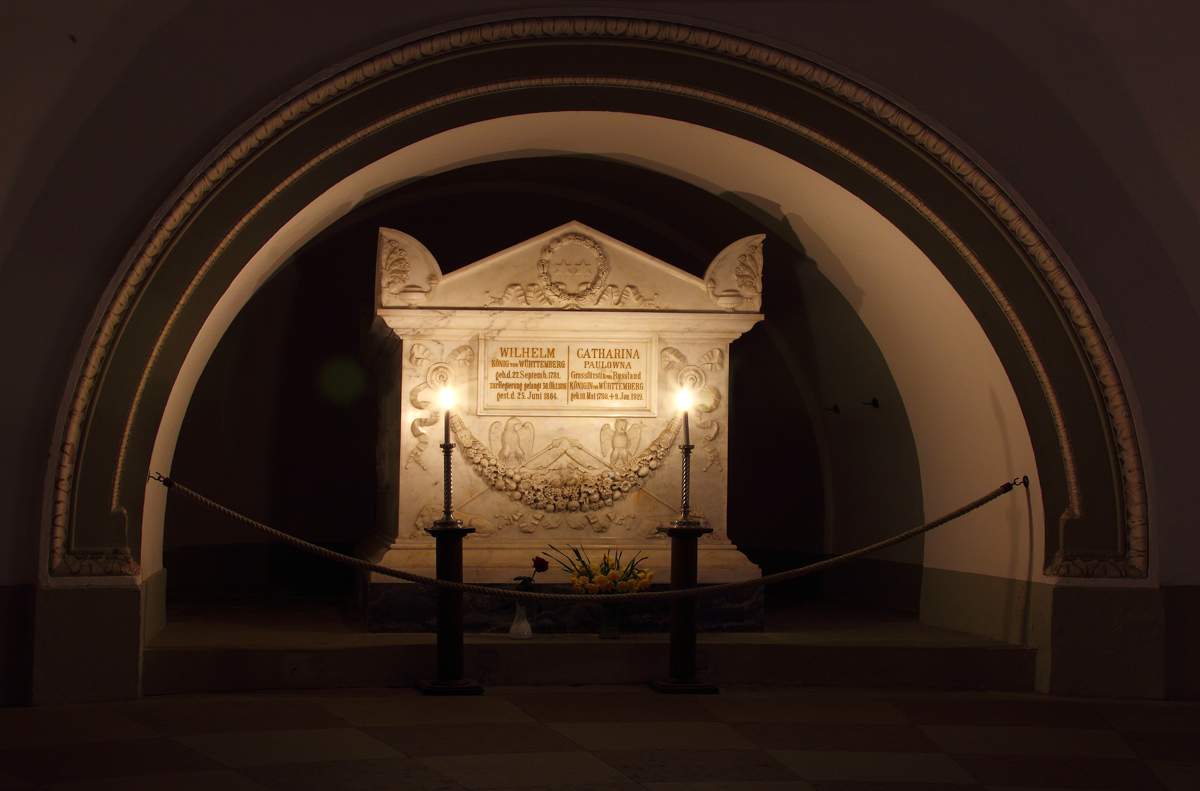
695,378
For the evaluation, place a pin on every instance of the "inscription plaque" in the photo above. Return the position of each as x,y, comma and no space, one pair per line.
571,376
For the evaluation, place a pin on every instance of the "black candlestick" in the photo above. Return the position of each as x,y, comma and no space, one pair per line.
685,533
447,478
448,534
685,495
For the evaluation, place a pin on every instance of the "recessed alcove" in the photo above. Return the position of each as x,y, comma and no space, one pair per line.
282,424
992,359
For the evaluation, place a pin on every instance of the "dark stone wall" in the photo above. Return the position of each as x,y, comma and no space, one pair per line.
16,644
1182,606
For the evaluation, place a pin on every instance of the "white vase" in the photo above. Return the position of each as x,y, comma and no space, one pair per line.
520,629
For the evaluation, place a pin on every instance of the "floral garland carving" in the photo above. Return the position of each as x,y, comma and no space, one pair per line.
564,489
177,213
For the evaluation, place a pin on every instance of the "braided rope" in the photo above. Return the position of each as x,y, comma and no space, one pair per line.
506,593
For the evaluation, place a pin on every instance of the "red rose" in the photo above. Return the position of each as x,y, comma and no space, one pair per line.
541,564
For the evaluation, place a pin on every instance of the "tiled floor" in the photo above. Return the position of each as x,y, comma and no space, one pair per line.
603,739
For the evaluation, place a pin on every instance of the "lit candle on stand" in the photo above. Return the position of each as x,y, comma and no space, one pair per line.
685,533
446,401
446,398
683,401
448,534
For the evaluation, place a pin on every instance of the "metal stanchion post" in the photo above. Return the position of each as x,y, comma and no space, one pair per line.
448,535
685,533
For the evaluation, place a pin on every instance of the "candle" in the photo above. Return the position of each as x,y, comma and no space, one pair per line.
446,398
683,402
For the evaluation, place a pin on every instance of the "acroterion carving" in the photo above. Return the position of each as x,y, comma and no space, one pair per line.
407,270
734,278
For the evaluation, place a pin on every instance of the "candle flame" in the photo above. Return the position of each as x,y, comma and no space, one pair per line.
447,398
684,399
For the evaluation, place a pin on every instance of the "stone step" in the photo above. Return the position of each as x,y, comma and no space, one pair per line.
213,660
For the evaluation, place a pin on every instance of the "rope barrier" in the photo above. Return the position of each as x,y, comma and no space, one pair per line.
507,593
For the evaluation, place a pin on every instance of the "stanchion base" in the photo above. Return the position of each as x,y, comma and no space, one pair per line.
463,686
672,687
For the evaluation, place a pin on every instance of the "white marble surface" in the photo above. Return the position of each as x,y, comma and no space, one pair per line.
553,470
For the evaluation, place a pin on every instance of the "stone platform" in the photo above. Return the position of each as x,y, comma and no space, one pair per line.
255,649
405,607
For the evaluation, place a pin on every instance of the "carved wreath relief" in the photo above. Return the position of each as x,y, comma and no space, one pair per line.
572,272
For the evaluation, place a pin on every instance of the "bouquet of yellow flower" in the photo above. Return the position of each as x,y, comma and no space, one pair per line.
610,575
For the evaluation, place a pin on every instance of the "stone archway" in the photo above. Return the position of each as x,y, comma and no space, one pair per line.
193,268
